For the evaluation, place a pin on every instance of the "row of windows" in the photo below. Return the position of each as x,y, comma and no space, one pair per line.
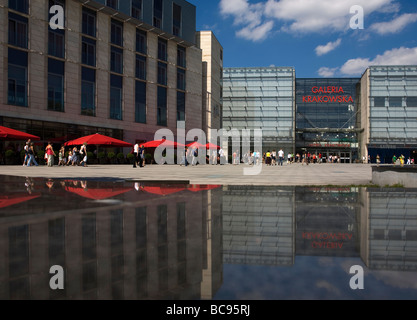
18,36
18,85
17,90
136,12
398,102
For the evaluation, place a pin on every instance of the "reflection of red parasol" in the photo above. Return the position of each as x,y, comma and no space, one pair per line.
201,187
12,134
162,191
99,139
99,193
9,200
157,143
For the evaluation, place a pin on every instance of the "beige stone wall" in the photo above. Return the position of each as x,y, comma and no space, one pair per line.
212,75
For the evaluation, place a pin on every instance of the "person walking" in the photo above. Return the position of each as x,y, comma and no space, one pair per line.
49,150
136,155
61,156
280,157
83,152
378,160
26,148
141,156
31,153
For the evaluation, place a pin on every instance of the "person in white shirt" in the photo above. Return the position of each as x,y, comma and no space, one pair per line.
136,153
281,157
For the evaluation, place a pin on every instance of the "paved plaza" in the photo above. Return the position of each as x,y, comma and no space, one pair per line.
287,175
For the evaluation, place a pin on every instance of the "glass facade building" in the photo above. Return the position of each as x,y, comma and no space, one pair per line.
389,112
326,117
261,98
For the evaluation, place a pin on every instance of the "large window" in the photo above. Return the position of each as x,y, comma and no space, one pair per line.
379,102
140,67
412,102
181,57
56,43
116,33
176,20
89,22
180,79
162,73
116,97
162,107
88,91
157,13
18,30
395,102
162,50
140,102
19,5
137,9
116,60
88,51
113,4
17,77
55,85
180,106
141,41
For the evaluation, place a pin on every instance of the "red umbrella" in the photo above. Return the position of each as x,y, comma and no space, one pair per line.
99,193
163,190
196,144
157,143
12,134
212,146
99,139
201,187
9,200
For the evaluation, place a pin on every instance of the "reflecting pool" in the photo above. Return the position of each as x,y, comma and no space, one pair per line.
138,240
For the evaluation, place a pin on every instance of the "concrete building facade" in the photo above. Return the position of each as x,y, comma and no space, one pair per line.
121,68
212,108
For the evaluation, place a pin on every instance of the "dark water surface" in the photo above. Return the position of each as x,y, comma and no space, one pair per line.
130,240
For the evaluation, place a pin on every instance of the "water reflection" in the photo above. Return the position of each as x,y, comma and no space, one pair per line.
131,240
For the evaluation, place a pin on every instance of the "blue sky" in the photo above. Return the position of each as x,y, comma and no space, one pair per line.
314,36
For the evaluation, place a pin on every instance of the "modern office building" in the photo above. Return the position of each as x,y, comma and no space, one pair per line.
121,68
326,113
261,98
212,109
351,118
389,112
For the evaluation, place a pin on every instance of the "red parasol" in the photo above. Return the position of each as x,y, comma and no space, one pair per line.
157,143
12,134
99,139
196,144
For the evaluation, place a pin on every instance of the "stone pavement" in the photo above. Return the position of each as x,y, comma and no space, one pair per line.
287,175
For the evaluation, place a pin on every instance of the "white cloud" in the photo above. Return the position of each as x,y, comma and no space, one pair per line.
306,16
396,56
327,72
321,50
394,26
256,33
250,16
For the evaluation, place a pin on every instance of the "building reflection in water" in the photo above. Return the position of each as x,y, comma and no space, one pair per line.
126,240
114,240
